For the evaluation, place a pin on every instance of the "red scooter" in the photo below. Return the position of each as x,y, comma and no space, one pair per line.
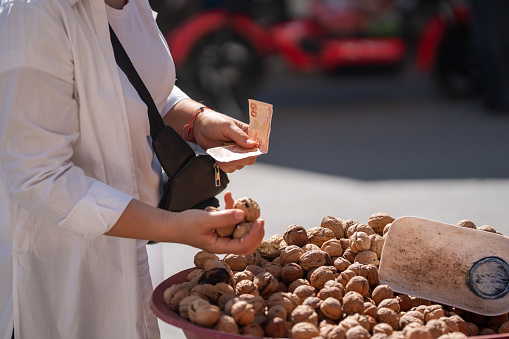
220,52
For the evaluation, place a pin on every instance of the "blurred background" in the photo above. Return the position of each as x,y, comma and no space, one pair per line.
396,106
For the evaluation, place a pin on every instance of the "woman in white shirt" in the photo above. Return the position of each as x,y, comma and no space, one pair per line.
78,179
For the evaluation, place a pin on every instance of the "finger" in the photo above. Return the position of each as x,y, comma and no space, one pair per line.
228,200
250,242
240,137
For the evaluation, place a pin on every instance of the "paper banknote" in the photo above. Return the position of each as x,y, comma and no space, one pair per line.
260,118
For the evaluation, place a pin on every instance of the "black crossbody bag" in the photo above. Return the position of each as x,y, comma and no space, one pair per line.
191,181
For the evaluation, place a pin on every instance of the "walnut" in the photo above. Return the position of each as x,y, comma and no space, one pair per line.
203,256
250,208
378,221
349,322
277,311
223,300
404,301
382,292
266,283
482,331
314,302
331,308
353,302
321,275
358,284
370,310
377,244
310,247
466,223
226,231
417,332
304,313
331,292
206,291
359,241
246,287
462,326
312,259
244,275
367,257
288,300
341,264
359,228
257,301
357,332
275,239
203,313
386,229
304,330
382,328
345,243
305,291
253,330
243,312
277,327
290,253
473,330
185,304
504,328
391,303
268,250
333,247
296,235
195,274
224,288
345,276
487,228
254,269
494,322
319,235
371,274
175,293
386,315
227,324
296,283
254,259
349,255
273,268
291,272
236,262
436,312
437,327
361,320
335,225
242,229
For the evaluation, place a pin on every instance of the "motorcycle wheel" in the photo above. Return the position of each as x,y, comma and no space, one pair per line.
456,70
222,70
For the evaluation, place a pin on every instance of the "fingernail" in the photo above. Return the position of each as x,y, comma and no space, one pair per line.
238,215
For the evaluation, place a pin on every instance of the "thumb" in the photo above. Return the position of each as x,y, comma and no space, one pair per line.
227,217
240,137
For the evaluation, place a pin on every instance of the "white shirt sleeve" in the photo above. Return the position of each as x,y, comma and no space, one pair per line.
176,95
39,125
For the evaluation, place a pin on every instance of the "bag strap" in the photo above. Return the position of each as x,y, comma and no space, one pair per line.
125,64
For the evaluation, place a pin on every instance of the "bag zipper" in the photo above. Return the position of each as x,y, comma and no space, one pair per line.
218,175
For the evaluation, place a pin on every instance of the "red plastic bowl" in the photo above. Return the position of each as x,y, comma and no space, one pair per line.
192,331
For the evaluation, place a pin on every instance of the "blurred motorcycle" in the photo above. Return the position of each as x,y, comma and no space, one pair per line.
220,50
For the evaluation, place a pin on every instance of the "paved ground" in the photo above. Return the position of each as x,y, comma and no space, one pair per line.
351,147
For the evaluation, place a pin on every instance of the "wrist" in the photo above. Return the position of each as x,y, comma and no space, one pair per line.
190,128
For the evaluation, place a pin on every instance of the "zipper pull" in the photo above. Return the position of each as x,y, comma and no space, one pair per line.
218,175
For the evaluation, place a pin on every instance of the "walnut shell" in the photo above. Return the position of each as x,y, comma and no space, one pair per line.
250,208
310,247
227,324
377,244
242,229
203,314
266,283
359,228
331,292
274,269
206,291
296,283
304,313
382,328
275,239
331,308
288,300
358,284
203,256
359,241
290,253
291,272
353,302
367,257
378,221
252,330
382,292
254,259
277,311
357,332
257,301
185,304
386,315
304,291
321,275
333,247
244,275
391,303
268,250
319,235
226,231
174,294
235,261
243,312
277,327
254,269
296,235
341,264
246,287
437,327
304,330
335,225
312,259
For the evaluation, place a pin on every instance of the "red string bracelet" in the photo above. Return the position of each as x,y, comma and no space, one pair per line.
187,133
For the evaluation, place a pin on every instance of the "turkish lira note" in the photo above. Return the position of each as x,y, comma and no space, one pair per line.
260,118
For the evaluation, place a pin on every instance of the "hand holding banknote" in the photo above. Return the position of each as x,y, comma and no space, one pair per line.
260,118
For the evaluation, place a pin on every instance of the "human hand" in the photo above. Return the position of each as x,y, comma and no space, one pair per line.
212,129
197,228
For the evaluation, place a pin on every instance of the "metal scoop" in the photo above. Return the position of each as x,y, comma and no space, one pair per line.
447,264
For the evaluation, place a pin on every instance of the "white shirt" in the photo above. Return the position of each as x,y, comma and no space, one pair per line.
68,169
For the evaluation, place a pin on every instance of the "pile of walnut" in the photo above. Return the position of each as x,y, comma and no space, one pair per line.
317,283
